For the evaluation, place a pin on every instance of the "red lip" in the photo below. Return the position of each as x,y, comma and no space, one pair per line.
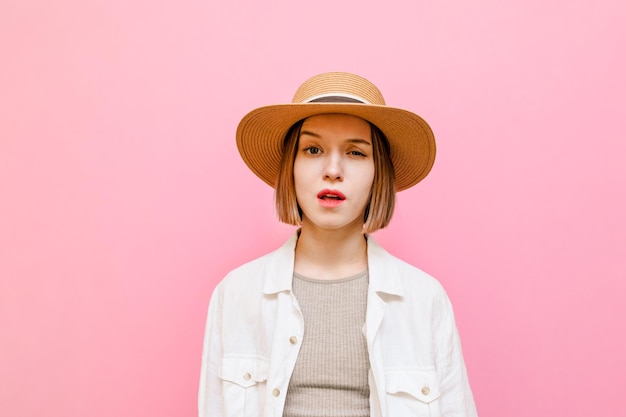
331,194
330,198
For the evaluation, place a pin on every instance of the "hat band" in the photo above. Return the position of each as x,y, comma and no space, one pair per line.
337,98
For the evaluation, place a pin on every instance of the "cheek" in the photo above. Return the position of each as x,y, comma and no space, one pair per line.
368,177
364,184
301,177
297,173
299,167
304,170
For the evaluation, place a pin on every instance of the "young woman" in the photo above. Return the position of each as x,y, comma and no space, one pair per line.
331,324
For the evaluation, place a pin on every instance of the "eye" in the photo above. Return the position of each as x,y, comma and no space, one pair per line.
312,150
356,153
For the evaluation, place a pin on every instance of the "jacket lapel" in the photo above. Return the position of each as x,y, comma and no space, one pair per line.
384,283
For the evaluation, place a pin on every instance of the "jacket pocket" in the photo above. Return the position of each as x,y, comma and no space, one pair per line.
243,384
412,391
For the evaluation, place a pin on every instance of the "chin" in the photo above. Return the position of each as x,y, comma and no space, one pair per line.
334,226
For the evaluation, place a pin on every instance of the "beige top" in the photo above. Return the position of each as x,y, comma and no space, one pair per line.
330,377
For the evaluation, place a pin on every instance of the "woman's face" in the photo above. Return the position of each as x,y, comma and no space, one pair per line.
334,171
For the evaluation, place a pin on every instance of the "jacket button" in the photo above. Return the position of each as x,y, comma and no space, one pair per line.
247,376
293,340
425,390
275,392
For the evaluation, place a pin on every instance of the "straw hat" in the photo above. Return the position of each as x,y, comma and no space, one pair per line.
261,132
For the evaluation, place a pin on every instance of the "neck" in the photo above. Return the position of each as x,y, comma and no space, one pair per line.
330,254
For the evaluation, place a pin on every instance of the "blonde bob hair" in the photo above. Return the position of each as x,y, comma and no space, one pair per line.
382,199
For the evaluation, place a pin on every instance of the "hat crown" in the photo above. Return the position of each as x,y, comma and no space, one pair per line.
261,133
338,84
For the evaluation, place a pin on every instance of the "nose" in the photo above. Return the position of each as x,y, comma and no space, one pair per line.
333,170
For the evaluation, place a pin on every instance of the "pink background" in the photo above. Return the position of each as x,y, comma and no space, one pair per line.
123,200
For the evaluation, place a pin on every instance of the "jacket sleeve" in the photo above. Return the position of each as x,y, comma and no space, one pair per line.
210,391
456,396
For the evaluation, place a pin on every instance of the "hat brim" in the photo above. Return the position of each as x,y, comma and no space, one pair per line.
261,133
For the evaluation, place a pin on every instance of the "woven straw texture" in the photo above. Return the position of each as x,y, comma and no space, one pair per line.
261,132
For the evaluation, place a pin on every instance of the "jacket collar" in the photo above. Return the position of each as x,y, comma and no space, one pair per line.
279,270
383,272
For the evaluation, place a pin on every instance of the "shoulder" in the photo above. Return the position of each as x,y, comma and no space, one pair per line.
412,274
275,266
410,292
398,275
420,284
249,268
247,275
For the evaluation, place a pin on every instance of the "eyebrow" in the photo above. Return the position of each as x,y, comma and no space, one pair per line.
351,140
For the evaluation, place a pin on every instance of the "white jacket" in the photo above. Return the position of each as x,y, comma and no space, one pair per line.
255,327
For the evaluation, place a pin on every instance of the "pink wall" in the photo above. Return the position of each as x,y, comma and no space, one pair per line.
123,200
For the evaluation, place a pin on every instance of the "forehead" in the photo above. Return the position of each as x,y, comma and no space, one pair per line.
337,125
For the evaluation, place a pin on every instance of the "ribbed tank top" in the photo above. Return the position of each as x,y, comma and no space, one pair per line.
330,378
